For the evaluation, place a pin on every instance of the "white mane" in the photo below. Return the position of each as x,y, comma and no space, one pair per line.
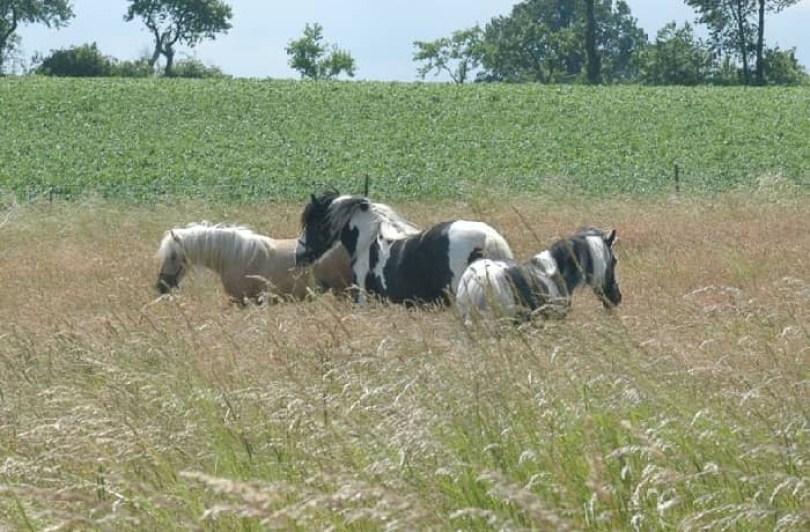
392,225
204,242
389,223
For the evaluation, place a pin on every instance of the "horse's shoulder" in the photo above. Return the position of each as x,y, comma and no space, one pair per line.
266,244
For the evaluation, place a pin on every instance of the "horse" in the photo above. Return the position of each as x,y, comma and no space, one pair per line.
251,266
545,283
392,258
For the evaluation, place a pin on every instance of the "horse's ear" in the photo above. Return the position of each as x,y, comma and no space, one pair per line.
611,238
174,236
312,197
365,204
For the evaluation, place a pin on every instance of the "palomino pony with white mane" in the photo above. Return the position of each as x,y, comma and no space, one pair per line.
391,257
543,284
251,266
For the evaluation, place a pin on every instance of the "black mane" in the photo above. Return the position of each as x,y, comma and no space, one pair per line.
318,206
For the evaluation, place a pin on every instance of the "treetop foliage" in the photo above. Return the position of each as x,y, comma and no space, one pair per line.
173,22
54,13
314,59
547,41
539,41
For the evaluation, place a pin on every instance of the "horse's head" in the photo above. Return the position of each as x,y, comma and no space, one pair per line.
173,262
609,291
317,231
323,221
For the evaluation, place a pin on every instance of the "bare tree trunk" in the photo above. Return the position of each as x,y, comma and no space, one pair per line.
594,64
743,42
169,53
761,44
7,35
158,48
154,59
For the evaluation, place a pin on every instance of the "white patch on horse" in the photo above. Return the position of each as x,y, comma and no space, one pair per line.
382,259
598,259
485,285
546,264
392,225
465,237
360,266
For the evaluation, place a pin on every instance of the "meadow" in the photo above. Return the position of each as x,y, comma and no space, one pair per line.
270,139
685,408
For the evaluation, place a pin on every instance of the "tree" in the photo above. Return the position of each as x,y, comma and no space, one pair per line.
782,68
737,28
675,58
774,6
83,61
594,66
317,60
194,68
458,55
553,41
54,13
173,22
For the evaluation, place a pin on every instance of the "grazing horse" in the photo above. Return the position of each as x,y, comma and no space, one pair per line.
390,257
251,266
543,284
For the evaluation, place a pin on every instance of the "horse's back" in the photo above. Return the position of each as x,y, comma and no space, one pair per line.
495,245
485,287
470,241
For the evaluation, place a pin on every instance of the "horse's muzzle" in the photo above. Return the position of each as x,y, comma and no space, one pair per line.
611,298
166,283
303,256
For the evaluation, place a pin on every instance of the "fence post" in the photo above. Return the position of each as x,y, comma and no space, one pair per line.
365,187
677,179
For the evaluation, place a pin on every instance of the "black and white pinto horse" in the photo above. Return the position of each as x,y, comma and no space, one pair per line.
390,257
545,283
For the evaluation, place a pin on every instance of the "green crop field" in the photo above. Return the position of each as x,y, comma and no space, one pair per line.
280,139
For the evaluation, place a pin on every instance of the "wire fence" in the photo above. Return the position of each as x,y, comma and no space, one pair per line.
267,189
160,190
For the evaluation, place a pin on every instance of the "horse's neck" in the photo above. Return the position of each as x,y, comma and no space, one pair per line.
362,248
361,258
572,262
208,248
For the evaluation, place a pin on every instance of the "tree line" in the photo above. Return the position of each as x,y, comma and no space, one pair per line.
599,41
540,41
171,23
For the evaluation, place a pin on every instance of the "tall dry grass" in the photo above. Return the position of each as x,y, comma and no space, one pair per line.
686,408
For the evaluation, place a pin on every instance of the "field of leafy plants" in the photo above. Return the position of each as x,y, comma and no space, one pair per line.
244,139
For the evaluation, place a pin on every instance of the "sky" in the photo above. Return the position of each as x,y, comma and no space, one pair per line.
379,34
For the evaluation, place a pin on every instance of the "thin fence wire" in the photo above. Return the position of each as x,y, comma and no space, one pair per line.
263,190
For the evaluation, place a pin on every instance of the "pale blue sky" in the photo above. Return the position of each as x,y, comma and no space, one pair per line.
378,33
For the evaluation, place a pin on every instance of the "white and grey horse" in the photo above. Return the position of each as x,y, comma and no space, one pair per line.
543,284
251,266
392,258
